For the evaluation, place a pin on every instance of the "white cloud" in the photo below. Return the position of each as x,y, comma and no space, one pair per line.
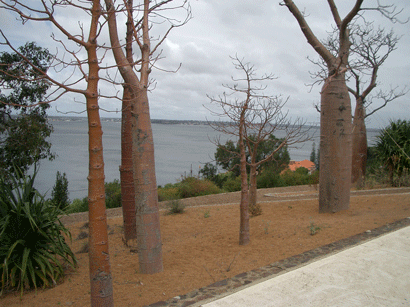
263,33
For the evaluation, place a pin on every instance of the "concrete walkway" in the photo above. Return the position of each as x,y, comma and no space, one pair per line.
375,273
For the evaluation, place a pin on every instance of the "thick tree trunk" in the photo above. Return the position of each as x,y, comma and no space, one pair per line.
100,273
335,145
126,172
145,183
359,145
244,236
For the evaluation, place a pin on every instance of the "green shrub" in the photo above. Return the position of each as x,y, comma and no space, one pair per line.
33,248
175,206
59,195
78,205
232,184
113,194
298,177
269,178
192,187
168,192
220,179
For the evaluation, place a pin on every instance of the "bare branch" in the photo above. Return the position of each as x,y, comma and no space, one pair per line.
310,36
386,97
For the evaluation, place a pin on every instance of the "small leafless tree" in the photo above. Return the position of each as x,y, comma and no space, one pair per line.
252,117
335,108
369,50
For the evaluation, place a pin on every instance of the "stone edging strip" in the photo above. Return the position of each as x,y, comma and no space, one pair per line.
236,283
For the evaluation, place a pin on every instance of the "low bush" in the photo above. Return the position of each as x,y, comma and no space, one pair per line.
33,248
175,206
168,192
192,187
299,177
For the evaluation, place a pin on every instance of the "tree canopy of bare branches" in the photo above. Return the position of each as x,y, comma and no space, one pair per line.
369,49
251,116
335,108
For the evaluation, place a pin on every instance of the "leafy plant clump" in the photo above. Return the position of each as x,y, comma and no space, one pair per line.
188,187
33,248
313,228
175,206
192,187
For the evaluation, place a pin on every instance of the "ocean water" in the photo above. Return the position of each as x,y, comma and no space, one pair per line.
179,148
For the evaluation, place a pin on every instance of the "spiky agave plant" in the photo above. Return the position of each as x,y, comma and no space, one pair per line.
33,248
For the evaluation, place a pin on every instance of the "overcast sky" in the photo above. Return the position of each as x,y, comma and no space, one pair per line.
263,33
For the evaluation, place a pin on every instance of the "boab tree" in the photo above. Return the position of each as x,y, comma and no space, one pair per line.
369,50
335,107
252,117
137,83
126,172
84,59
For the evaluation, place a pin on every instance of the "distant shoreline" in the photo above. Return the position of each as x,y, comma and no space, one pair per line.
111,119
156,121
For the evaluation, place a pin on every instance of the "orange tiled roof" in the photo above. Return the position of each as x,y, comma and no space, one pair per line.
293,165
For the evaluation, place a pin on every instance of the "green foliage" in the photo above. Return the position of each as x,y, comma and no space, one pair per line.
280,159
175,206
192,187
78,205
33,249
113,194
59,194
227,156
112,198
299,177
313,228
393,148
220,179
269,178
209,171
232,184
372,162
188,187
168,192
23,137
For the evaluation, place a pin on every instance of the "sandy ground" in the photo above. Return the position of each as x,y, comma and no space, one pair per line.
201,245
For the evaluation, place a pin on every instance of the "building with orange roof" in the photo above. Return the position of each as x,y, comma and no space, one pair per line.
309,165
